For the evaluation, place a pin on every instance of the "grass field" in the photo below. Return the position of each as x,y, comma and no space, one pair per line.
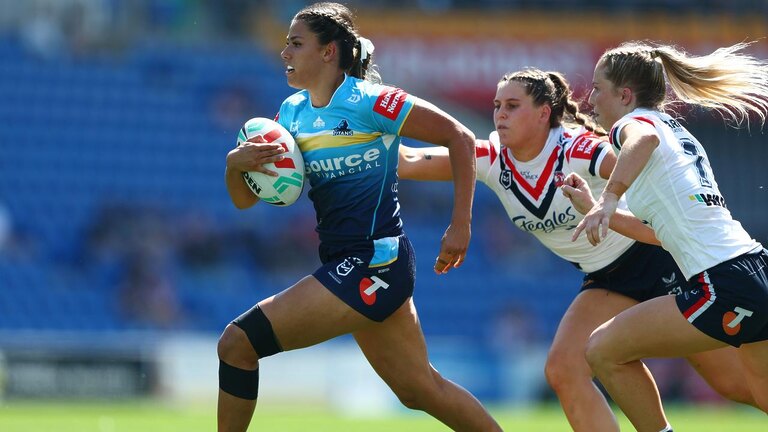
148,417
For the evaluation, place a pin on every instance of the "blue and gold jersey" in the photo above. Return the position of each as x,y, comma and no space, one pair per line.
350,151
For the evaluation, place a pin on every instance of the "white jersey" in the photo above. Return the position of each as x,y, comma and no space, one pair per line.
534,203
677,194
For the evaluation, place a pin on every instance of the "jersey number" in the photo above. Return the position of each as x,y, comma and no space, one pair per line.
690,148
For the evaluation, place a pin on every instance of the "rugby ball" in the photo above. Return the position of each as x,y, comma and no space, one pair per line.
286,188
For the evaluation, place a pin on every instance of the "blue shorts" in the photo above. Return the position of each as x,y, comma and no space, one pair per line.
374,277
729,301
643,272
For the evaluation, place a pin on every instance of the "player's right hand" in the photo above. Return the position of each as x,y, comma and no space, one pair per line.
253,154
577,190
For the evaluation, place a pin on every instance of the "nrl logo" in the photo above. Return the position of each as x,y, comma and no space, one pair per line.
505,178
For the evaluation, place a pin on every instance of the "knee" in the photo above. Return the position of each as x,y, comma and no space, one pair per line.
235,349
597,351
417,394
559,369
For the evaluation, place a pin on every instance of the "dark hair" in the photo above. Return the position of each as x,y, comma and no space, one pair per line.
551,88
334,22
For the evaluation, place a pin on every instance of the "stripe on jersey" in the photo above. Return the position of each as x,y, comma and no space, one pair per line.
553,164
543,180
485,148
613,136
595,157
704,302
645,119
326,139
381,194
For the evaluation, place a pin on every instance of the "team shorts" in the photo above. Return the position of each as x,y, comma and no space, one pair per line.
729,301
643,272
374,277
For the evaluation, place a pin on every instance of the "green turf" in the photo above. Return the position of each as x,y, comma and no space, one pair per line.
157,417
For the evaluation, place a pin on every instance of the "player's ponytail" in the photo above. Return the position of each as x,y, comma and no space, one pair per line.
727,80
334,22
568,108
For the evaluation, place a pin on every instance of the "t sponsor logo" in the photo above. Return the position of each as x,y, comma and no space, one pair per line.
732,320
318,123
368,288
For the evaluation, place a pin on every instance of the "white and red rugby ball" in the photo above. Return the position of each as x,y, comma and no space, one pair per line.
286,188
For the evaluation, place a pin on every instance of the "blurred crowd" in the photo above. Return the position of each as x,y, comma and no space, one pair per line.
152,256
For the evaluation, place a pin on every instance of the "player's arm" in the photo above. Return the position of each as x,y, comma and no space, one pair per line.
428,123
623,222
424,163
250,156
639,142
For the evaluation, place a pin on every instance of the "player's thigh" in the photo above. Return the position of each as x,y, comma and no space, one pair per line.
396,348
307,313
654,328
588,310
754,356
723,370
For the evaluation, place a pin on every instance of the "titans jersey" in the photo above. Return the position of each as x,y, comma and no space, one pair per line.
677,193
350,151
534,203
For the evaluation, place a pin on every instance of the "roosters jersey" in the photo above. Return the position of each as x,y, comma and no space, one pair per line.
350,151
677,193
532,198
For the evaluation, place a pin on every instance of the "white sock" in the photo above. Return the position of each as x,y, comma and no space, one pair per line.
668,428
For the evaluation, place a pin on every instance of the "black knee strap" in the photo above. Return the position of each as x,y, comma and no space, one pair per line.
257,327
239,382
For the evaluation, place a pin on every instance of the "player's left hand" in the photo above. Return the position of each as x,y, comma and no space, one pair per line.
577,190
453,247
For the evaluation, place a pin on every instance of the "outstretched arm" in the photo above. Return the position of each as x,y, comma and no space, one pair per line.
639,143
428,123
623,222
424,163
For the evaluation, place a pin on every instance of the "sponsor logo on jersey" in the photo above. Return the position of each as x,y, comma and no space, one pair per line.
368,288
343,165
342,129
554,221
709,199
732,320
584,147
673,124
294,129
346,266
529,175
670,283
390,102
354,99
505,178
559,178
318,123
